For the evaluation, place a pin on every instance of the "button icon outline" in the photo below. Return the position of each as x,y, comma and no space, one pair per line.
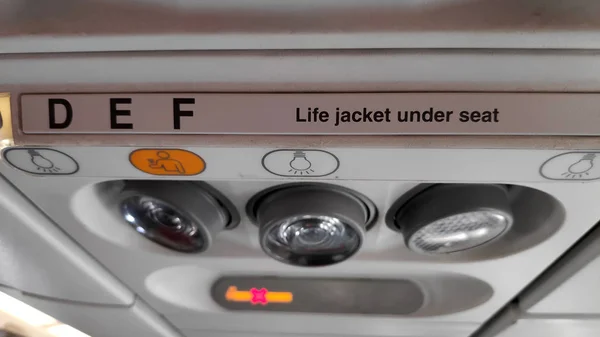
582,154
304,151
37,149
166,150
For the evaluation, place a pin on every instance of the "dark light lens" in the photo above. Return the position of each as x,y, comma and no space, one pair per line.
311,240
163,224
311,224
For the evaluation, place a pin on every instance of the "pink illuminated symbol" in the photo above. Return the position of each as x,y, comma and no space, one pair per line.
259,296
255,296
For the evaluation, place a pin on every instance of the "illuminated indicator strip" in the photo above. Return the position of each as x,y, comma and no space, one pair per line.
258,296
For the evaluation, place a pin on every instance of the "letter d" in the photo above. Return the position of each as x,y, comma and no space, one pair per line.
52,102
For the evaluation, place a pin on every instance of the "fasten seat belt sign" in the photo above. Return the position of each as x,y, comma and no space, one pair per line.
312,113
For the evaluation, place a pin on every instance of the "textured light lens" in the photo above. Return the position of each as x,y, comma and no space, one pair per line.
312,240
460,232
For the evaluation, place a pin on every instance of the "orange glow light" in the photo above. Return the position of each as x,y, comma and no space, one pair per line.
258,296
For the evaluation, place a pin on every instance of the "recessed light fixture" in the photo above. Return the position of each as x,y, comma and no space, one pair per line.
449,218
311,224
182,216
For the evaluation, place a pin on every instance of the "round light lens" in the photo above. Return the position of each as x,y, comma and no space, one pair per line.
460,232
450,218
311,224
162,223
311,240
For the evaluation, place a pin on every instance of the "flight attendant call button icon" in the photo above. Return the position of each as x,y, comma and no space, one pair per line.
167,162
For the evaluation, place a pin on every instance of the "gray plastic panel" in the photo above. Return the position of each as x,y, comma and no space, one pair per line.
553,327
431,329
105,25
37,257
569,286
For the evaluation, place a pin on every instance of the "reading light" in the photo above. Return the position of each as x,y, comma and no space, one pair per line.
183,216
311,224
444,219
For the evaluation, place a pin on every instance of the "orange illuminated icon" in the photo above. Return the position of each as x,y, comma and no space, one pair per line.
167,162
258,296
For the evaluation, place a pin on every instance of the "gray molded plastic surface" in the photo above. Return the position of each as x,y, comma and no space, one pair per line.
570,286
150,270
37,257
552,327
418,330
563,301
300,71
103,25
103,321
